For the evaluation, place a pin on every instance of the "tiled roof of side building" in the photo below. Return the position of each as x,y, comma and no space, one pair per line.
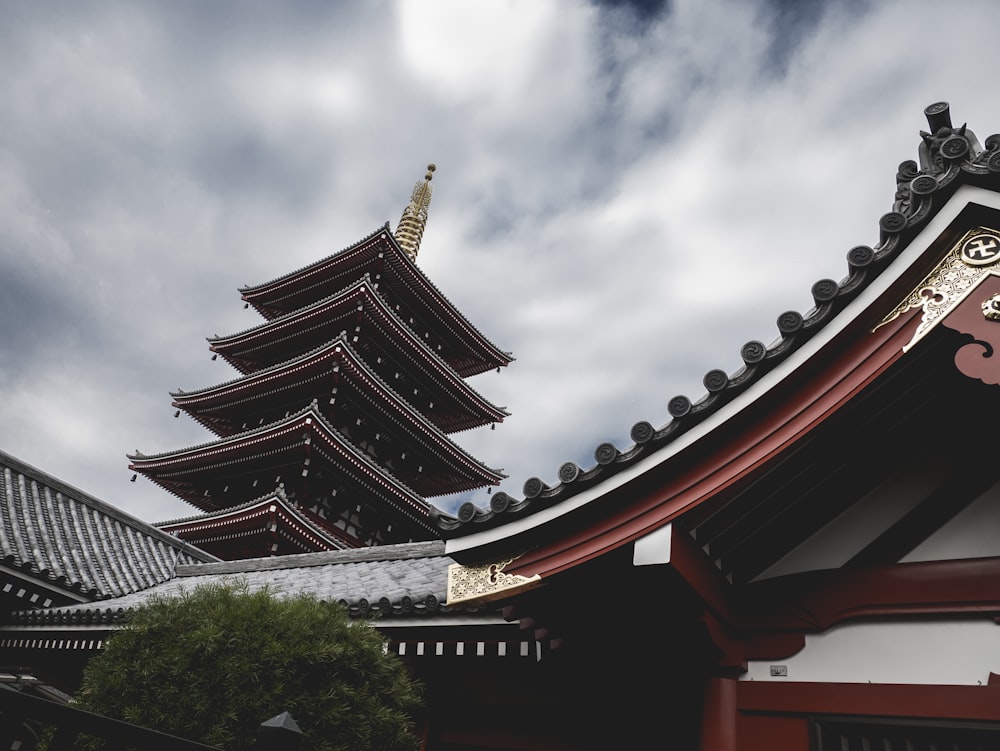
949,158
65,538
406,580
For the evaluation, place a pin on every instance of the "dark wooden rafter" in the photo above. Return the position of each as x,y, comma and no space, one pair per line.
971,475
818,478
821,500
839,472
818,463
865,444
21,590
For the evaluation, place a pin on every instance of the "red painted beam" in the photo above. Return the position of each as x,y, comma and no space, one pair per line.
977,703
804,403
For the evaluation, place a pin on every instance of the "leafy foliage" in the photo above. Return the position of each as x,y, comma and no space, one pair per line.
214,663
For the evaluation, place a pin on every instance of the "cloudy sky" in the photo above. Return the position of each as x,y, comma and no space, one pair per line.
626,192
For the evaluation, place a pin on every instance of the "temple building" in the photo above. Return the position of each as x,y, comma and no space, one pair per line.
806,556
337,431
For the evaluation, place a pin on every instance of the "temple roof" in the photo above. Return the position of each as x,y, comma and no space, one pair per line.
72,542
241,527
951,162
399,581
283,444
379,254
291,444
289,336
221,407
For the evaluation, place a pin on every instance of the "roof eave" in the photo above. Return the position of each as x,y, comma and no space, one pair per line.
511,522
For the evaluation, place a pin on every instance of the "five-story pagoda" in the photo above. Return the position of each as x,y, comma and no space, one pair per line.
336,431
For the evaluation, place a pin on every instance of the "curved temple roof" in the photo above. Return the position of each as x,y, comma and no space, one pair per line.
78,544
219,407
400,581
949,158
292,435
242,348
290,523
379,254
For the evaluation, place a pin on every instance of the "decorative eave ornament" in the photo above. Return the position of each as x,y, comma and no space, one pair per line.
970,261
479,584
410,230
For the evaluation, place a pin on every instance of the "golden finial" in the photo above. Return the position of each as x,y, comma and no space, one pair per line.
411,226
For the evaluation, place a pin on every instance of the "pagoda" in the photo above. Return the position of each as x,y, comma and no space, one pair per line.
336,431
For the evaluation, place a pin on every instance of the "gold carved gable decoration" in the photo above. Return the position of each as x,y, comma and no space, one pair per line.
474,584
963,293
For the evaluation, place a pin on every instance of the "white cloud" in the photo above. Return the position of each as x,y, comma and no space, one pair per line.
622,205
487,51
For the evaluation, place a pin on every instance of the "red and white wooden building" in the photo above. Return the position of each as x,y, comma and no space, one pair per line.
808,555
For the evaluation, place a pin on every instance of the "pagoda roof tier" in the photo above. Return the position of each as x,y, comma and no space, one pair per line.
301,447
269,525
361,310
353,392
379,256
268,394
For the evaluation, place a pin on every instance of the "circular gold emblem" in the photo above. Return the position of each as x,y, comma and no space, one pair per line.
981,250
991,308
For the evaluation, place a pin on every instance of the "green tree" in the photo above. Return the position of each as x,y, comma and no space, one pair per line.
212,664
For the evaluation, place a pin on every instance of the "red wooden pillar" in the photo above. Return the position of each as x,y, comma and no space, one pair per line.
718,719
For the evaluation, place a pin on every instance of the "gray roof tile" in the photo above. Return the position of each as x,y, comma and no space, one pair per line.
57,533
398,580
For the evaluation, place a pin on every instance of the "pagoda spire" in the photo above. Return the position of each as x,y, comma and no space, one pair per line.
410,230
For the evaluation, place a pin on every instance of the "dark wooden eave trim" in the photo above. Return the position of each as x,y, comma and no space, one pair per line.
35,588
974,475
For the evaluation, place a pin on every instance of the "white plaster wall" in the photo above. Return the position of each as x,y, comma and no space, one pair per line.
972,533
847,534
954,652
